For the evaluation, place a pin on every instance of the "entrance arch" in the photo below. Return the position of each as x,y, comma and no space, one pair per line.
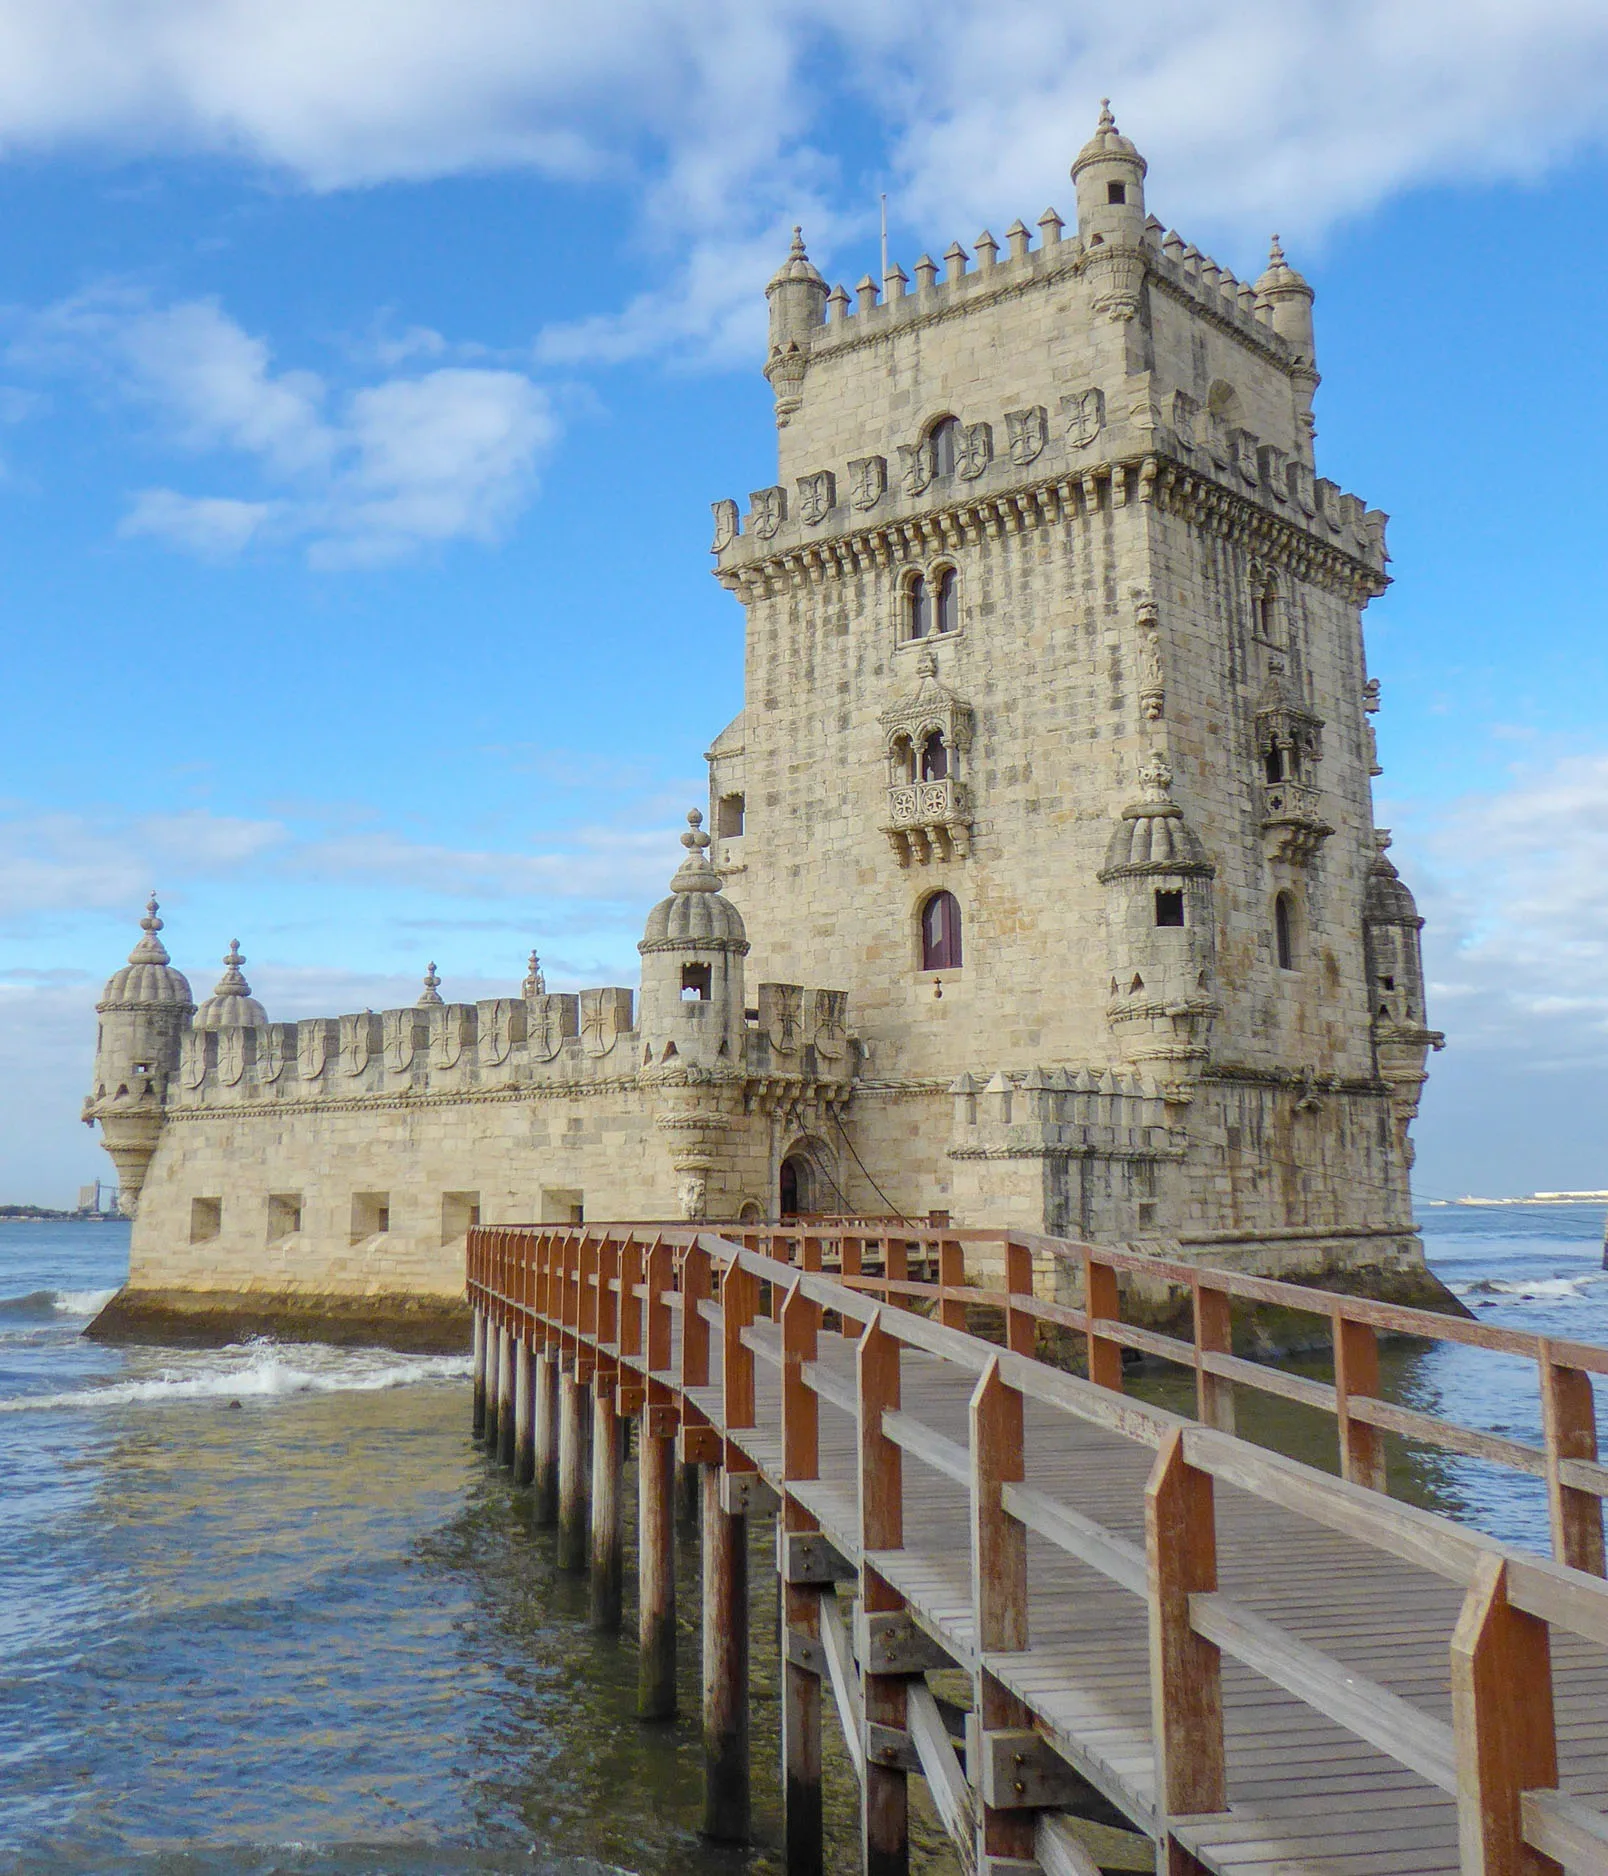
797,1186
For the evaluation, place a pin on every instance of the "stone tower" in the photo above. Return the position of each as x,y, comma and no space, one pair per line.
144,1014
1055,747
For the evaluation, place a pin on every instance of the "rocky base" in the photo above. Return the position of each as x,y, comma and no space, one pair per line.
413,1325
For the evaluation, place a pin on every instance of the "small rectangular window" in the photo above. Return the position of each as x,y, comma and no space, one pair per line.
460,1211
206,1220
371,1215
1169,908
695,983
1117,194
562,1207
284,1215
729,817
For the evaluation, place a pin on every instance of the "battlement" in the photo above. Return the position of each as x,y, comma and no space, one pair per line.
1100,1111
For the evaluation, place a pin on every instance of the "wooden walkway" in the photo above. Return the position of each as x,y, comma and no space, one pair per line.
1261,1667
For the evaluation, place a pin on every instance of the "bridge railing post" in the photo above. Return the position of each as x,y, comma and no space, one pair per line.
1021,1327
695,1290
885,1806
951,1276
1502,1718
801,1600
999,1606
739,1304
1569,1420
1214,1335
1101,1303
1186,1691
1356,1377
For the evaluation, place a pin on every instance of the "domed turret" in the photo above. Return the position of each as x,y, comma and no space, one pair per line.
1110,177
1160,929
692,967
797,299
1392,951
231,1005
144,1012
1291,300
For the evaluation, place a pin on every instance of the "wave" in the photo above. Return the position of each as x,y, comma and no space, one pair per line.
260,1369
42,1305
1536,1289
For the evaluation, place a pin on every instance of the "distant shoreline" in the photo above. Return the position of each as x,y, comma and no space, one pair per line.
43,1215
1532,1198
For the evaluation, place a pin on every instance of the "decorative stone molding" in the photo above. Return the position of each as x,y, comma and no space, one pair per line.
928,817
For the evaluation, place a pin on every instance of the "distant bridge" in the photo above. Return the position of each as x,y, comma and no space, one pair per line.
1261,1667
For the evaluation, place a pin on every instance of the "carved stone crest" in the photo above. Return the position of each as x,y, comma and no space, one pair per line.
357,1042
1302,487
725,514
781,1016
231,1056
974,450
1028,431
1242,446
1085,416
817,496
552,1018
452,1028
767,512
400,1040
831,1036
917,466
868,481
501,1022
1185,415
193,1064
273,1052
312,1048
605,1016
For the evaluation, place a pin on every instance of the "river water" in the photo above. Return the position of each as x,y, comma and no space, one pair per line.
267,1609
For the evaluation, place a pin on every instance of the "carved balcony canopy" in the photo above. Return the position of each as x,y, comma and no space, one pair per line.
927,738
1289,747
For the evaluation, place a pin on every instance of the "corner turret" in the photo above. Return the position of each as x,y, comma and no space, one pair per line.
1392,946
1110,177
797,298
1288,299
692,968
231,1005
144,1012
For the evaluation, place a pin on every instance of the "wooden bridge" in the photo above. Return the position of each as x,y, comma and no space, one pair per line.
1260,1666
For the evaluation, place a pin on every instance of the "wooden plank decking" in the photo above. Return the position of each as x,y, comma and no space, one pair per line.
1331,1626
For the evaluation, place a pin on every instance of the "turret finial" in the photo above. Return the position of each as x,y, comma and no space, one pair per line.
695,839
432,985
798,238
535,979
1107,121
150,922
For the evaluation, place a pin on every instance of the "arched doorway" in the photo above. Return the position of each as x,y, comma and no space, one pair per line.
796,1185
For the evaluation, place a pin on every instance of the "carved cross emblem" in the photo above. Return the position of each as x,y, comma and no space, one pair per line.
768,511
546,1031
831,1023
974,450
312,1050
231,1056
1028,431
270,1053
497,1031
356,1043
599,1022
725,514
817,495
447,1035
868,481
195,1058
400,1040
917,466
1085,416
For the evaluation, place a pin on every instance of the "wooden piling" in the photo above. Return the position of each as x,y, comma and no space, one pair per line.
800,1603
544,1438
505,1398
477,1366
608,1511
656,1569
524,1450
493,1358
574,1419
725,1667
885,1810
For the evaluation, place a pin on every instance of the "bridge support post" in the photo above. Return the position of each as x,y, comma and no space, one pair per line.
608,1511
505,1398
493,1369
800,1601
689,1494
656,1567
574,1419
725,1666
544,1436
885,1811
477,1369
524,1451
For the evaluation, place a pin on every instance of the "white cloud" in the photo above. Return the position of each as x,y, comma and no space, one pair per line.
367,476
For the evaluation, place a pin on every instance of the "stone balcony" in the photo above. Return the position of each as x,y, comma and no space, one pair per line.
1293,826
928,820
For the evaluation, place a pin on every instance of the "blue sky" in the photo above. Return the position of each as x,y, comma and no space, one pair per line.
366,373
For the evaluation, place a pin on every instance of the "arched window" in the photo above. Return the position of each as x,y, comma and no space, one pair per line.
1284,930
918,608
795,1186
934,757
946,605
902,761
1267,614
944,433
1273,764
940,933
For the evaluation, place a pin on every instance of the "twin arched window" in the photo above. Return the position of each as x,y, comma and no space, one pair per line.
940,933
932,607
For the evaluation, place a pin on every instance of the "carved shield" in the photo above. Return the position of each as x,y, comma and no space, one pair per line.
767,512
401,1040
1085,416
451,1029
1185,414
550,1023
1243,445
917,466
356,1043
193,1065
817,496
781,1016
974,450
498,1029
1302,488
868,481
831,1024
231,1056
600,1021
312,1049
1028,431
725,514
272,1053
